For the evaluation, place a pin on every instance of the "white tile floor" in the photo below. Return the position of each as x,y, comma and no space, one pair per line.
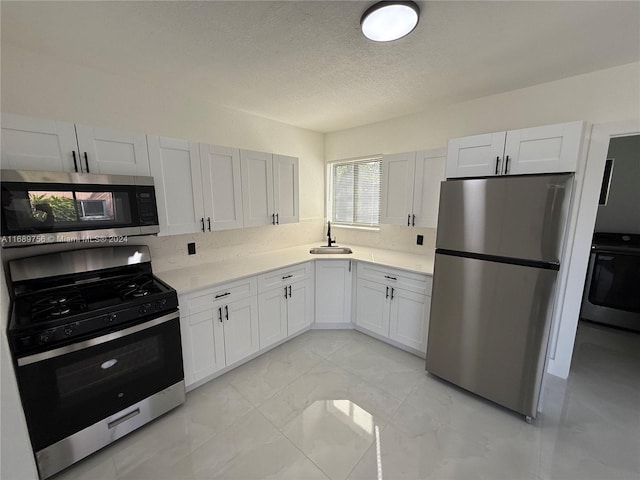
338,404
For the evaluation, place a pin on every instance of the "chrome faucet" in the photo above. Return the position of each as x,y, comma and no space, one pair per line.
329,241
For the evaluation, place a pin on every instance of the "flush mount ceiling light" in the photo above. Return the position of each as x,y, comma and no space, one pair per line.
387,21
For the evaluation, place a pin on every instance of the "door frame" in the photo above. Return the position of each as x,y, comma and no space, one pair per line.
581,227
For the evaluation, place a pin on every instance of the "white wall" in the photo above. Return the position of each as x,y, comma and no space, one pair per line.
622,211
601,96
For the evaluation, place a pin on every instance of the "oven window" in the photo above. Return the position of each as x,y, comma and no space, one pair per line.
615,281
67,393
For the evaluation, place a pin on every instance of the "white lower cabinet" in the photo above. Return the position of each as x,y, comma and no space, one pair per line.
394,304
219,327
333,292
285,302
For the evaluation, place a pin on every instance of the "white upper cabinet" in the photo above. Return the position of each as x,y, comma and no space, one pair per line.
112,152
175,166
553,148
411,188
257,188
397,188
476,156
285,188
222,187
37,144
547,149
269,188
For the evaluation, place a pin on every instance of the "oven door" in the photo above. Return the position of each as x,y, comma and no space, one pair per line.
611,290
70,388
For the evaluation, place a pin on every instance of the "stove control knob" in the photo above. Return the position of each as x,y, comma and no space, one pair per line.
45,337
161,303
68,330
111,318
144,308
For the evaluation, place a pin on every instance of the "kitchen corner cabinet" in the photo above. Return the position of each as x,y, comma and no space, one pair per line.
411,188
546,149
269,188
333,292
285,302
394,304
38,144
219,327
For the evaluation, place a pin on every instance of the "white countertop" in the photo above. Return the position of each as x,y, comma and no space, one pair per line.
188,279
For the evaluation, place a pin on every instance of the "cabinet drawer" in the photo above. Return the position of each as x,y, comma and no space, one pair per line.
413,282
227,292
284,276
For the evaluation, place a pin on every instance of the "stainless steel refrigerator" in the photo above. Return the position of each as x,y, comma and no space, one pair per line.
498,250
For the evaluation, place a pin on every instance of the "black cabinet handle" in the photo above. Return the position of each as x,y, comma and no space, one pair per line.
223,294
220,314
387,294
285,292
86,161
75,162
287,276
497,163
392,293
506,165
202,220
209,222
413,221
390,278
277,219
289,291
409,220
349,265
226,311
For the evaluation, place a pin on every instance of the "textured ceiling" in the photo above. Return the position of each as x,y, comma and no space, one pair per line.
307,64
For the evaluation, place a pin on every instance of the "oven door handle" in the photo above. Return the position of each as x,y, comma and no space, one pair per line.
92,342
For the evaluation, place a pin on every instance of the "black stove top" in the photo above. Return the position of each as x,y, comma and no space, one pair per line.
616,241
54,311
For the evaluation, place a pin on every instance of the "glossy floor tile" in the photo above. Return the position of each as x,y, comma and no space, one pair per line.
340,405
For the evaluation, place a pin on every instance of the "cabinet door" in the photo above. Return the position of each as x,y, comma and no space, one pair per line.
397,188
299,312
257,188
240,329
552,148
175,166
272,316
222,187
333,291
37,144
407,319
203,345
112,152
372,306
430,166
476,156
285,189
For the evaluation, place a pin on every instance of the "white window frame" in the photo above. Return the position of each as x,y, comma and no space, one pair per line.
329,193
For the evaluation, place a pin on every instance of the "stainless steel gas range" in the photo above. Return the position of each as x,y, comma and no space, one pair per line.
95,339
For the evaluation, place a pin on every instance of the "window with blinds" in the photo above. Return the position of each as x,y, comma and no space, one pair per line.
355,192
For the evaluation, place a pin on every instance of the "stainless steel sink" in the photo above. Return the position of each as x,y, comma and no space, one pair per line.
335,250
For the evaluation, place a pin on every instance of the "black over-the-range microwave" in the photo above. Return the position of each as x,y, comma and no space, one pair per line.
54,207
